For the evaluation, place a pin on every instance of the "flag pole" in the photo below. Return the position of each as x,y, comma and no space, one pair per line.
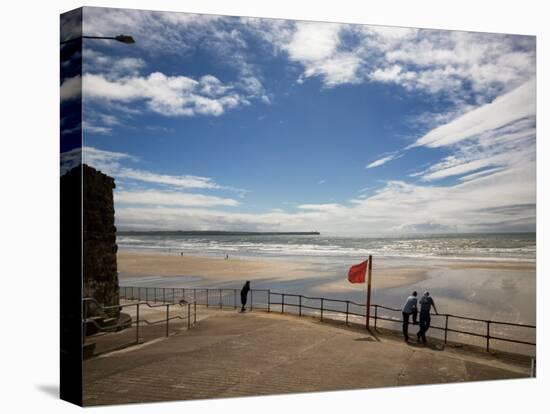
369,289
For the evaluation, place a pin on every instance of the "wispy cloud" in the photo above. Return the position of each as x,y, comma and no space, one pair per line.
433,61
384,160
171,198
111,163
166,95
512,106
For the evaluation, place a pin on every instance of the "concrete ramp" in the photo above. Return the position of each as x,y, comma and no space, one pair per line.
231,354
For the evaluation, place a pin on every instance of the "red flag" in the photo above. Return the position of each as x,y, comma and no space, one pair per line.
357,272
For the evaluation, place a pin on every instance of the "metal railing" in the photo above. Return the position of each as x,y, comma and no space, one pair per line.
188,314
325,308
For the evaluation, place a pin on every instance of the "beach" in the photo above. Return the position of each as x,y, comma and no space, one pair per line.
502,290
137,265
493,290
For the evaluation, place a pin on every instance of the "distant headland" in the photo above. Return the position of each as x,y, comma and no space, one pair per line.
214,233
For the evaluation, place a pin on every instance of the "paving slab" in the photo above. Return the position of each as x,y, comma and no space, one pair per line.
232,354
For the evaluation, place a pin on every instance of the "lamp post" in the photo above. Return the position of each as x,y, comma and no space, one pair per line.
120,38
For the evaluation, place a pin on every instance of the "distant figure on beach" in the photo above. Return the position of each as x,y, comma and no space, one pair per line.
226,256
244,294
409,308
181,254
426,303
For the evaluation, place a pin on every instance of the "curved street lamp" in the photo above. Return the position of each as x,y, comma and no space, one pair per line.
120,38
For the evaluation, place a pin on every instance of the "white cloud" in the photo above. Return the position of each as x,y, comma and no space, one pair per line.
71,88
316,46
110,163
460,169
479,174
512,106
313,41
463,66
96,129
166,95
113,67
482,204
383,160
171,198
182,181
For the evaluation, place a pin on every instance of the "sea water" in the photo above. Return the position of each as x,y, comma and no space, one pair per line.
517,247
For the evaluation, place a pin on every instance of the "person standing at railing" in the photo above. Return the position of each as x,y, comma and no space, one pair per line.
409,308
244,294
426,303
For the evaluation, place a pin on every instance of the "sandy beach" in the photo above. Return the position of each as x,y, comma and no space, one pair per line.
503,290
212,269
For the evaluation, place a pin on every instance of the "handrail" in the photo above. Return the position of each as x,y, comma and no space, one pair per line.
138,320
219,294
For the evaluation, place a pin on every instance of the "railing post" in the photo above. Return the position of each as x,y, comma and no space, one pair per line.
347,312
251,299
268,300
220,298
300,306
235,298
167,318
163,295
322,300
194,312
137,323
194,295
173,295
139,293
375,316
283,303
446,326
183,293
155,292
488,334
188,316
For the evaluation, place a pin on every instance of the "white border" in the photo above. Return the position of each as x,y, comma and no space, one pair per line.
29,206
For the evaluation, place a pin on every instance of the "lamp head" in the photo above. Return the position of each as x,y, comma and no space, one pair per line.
125,39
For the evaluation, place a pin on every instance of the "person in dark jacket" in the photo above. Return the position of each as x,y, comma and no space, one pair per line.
426,303
244,294
409,308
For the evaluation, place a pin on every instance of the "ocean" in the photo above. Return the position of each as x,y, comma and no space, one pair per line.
515,247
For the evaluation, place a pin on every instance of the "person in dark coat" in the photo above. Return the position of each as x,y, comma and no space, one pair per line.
409,308
426,303
244,294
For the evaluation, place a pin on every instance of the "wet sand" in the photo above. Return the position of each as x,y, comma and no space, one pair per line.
135,264
212,269
503,291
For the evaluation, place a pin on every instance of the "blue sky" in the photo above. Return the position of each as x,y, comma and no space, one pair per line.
211,122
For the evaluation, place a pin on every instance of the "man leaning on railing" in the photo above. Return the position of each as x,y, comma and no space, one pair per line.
426,303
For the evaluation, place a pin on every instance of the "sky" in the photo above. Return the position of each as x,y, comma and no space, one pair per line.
227,123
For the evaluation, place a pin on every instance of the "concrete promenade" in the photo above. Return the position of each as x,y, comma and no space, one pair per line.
231,354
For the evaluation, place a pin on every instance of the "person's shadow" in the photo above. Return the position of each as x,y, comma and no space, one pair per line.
50,389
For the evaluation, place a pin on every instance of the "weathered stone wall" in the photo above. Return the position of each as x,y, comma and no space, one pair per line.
99,237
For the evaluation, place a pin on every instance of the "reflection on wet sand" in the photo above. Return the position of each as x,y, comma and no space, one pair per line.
501,291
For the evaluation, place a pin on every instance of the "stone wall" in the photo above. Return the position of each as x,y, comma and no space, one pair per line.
99,237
